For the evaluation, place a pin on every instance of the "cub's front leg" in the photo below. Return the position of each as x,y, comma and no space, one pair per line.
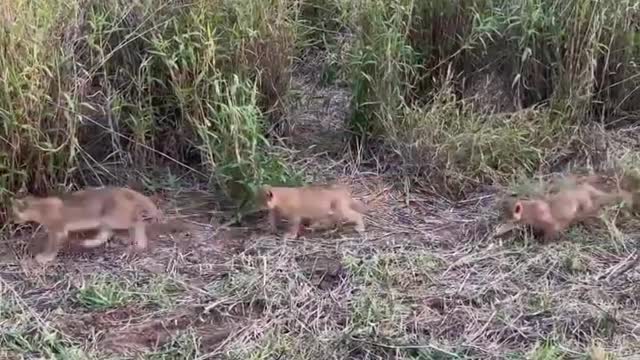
273,220
55,239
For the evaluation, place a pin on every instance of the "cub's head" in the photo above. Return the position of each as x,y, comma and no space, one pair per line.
266,197
24,209
511,209
30,208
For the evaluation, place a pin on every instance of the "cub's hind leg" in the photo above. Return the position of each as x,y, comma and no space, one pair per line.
342,212
353,217
294,227
274,216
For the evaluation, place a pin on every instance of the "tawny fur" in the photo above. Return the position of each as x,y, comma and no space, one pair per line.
556,212
312,203
598,181
106,209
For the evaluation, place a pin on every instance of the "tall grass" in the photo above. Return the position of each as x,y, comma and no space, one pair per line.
574,58
95,81
381,64
86,83
35,137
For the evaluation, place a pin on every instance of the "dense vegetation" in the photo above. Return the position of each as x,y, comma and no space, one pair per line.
89,82
455,93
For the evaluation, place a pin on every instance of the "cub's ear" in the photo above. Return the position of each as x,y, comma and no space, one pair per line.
517,210
268,193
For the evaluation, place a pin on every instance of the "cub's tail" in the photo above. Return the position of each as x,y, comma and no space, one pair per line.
358,206
615,197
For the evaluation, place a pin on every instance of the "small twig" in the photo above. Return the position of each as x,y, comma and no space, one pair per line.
208,308
24,305
231,222
462,284
486,324
468,259
622,267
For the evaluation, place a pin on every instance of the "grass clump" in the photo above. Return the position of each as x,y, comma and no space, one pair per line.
459,147
380,65
36,136
91,83
23,332
557,57
183,346
103,292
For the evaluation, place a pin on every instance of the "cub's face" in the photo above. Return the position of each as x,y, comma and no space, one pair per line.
266,197
511,210
35,209
23,210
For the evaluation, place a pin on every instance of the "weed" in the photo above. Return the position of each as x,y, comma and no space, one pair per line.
104,293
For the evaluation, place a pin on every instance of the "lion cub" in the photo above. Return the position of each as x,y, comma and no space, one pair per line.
312,202
555,213
107,209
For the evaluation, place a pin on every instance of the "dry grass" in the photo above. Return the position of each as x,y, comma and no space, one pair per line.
426,281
